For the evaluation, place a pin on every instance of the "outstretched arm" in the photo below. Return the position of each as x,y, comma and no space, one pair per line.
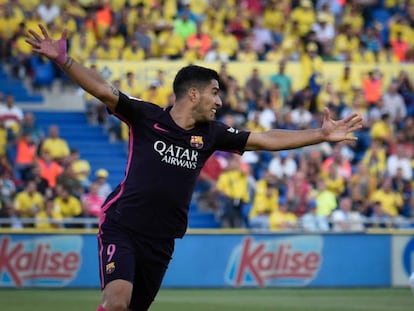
86,78
331,131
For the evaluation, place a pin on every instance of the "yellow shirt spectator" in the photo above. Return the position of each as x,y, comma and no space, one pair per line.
343,84
27,203
345,44
160,16
265,199
68,205
247,54
327,97
217,10
276,54
212,26
363,56
76,10
8,26
336,183
82,45
304,15
233,183
48,220
3,140
107,53
64,21
311,64
21,46
381,130
170,9
116,42
170,44
290,44
29,6
130,53
254,125
326,202
84,38
361,184
82,169
57,147
136,16
387,56
400,26
375,159
192,55
156,95
282,219
274,16
198,7
227,44
131,86
391,201
117,5
80,54
353,18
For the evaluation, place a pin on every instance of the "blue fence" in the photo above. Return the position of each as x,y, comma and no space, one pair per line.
221,260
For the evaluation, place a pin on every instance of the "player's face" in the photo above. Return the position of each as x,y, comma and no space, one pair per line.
209,102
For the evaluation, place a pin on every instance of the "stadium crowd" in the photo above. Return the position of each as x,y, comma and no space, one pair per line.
342,187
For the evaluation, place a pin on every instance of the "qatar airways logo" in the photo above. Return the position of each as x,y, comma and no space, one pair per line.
292,261
176,155
47,261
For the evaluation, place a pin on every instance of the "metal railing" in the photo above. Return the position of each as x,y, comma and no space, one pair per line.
66,224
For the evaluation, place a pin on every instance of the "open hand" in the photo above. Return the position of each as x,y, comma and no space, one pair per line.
46,46
340,130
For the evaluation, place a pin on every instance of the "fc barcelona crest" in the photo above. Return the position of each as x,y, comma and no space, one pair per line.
110,267
196,142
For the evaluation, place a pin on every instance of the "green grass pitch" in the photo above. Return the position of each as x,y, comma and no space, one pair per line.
276,299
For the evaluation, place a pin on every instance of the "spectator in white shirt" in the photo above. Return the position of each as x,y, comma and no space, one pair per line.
214,55
312,222
265,114
400,160
11,115
48,11
393,103
325,32
283,164
262,37
344,219
301,117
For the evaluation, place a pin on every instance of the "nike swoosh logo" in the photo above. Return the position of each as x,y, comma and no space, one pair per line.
158,128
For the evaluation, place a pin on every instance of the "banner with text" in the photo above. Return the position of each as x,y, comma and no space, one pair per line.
217,260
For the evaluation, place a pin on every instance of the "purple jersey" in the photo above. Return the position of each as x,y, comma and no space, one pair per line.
163,165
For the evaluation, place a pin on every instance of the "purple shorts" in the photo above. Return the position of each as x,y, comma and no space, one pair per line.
136,259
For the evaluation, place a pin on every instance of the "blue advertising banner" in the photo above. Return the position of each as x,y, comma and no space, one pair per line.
281,260
48,261
203,260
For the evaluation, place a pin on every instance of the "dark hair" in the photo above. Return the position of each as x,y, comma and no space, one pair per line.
192,76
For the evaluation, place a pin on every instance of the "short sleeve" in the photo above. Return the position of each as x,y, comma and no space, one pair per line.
132,109
229,139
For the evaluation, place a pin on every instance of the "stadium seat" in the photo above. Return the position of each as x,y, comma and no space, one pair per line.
43,72
10,85
91,141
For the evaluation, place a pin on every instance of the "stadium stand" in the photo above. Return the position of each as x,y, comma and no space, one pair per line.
91,141
369,40
16,87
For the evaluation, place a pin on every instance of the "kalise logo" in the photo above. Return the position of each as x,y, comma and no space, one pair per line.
292,261
46,261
